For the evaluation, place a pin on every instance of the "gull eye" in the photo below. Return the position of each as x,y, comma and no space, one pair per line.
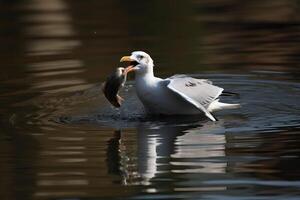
140,57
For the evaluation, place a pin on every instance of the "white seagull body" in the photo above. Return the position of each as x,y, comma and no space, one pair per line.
177,95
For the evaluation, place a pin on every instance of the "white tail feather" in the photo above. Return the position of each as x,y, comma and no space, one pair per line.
216,105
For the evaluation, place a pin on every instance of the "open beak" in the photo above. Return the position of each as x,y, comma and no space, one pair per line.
131,66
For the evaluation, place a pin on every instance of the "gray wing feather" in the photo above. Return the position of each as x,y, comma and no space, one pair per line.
198,92
186,76
178,76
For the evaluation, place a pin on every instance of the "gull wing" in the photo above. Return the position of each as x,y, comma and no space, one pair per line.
198,92
186,76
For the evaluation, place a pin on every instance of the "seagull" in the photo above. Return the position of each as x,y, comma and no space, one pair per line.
176,95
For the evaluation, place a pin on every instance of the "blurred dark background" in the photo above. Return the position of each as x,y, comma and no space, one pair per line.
88,37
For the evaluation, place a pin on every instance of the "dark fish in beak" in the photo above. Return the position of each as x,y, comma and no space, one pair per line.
113,84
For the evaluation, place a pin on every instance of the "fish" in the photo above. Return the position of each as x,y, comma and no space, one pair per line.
113,84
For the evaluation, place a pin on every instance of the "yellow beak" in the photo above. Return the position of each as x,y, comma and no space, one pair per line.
126,58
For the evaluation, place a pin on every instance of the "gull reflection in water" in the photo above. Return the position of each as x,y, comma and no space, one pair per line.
172,146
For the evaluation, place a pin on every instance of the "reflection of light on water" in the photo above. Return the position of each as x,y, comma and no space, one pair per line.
198,144
40,5
48,35
197,189
58,83
47,17
55,65
50,32
72,173
64,139
191,150
151,190
42,47
148,159
59,153
59,194
71,182
72,160
53,69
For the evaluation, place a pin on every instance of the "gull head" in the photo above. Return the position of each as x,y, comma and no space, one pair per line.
139,61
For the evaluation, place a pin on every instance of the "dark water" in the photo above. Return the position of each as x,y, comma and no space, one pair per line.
60,139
